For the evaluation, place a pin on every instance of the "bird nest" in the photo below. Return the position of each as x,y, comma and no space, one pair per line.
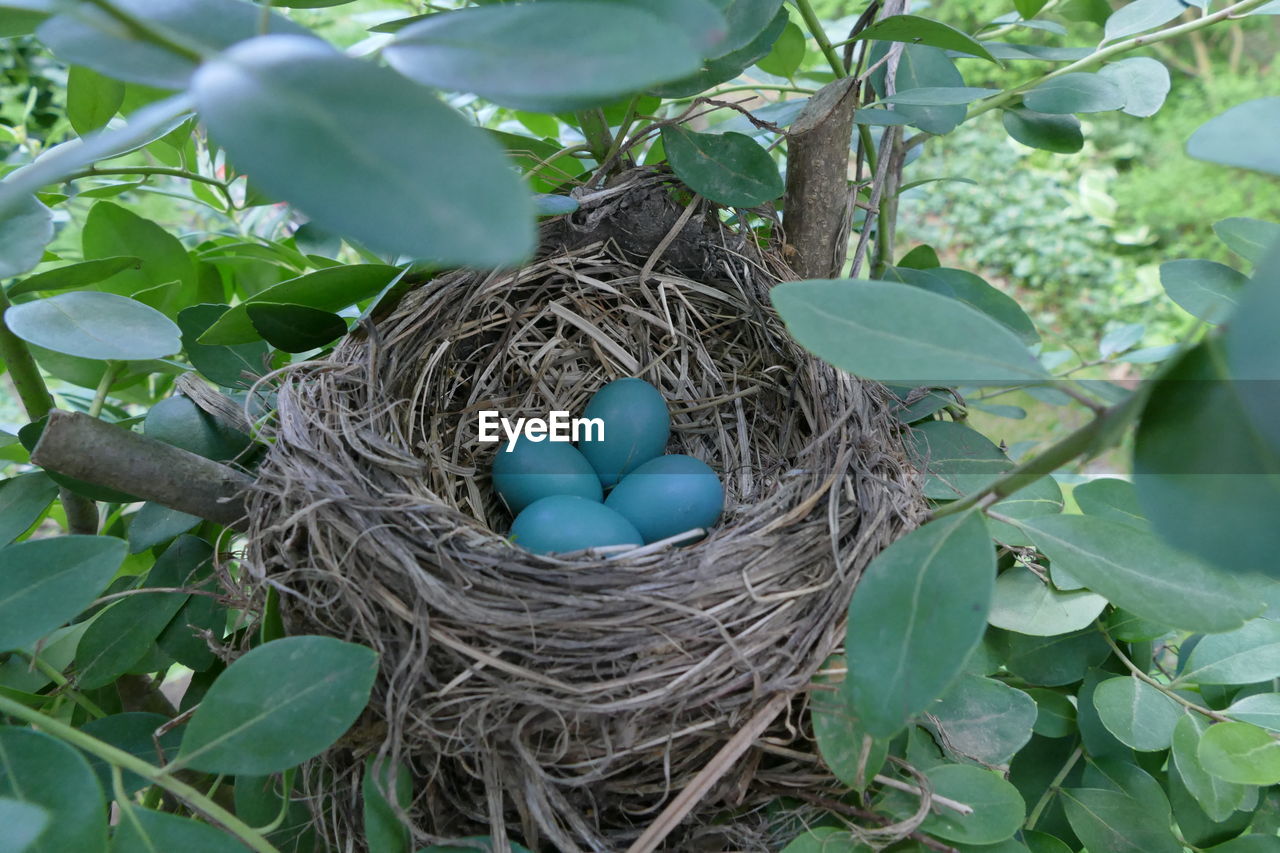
563,701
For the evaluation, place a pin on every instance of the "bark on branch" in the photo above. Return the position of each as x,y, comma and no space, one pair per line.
89,449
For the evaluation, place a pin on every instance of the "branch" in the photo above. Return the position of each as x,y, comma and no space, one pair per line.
102,171
88,449
820,36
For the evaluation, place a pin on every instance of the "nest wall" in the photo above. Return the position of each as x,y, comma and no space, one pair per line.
563,701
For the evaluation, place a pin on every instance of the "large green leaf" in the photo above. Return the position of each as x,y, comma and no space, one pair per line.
280,704
1143,81
1261,709
918,612
44,772
1140,716
982,720
1240,753
729,168
905,335
1133,570
426,184
23,499
1077,92
154,524
787,54
78,275
972,290
1053,661
133,732
92,99
742,15
1060,134
1218,798
145,831
919,67
1205,289
1248,238
111,230
1055,714
1028,605
914,30
842,741
1242,136
233,366
95,325
22,821
87,35
998,808
1141,15
546,56
1116,822
1244,656
295,328
1110,498
26,227
45,582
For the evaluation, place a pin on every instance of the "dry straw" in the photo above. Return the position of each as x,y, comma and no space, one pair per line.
564,702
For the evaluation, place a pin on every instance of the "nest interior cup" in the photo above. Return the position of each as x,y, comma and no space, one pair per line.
564,701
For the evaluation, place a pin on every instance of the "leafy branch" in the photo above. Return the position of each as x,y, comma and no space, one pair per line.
1163,688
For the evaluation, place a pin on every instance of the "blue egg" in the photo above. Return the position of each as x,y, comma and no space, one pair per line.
537,469
562,523
636,428
669,495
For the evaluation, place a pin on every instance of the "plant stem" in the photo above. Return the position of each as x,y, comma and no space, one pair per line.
595,127
123,760
1050,791
104,385
146,32
96,171
1163,688
820,36
1103,54
64,686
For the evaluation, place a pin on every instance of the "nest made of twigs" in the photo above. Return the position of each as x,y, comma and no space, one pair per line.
563,701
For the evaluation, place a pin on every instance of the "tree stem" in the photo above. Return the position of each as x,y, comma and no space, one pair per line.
820,36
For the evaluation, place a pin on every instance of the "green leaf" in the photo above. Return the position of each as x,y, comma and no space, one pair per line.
1055,715
95,325
1205,289
1244,656
982,720
182,639
904,335
532,56
1240,753
384,832
958,460
86,35
919,67
1028,9
916,30
1204,471
1216,797
747,20
1112,499
1241,137
128,629
699,20
542,161
1261,709
78,275
841,739
295,328
758,44
26,227
1139,16
234,366
280,704
1140,716
922,257
973,291
146,831
1027,605
917,614
729,168
154,524
133,732
23,499
111,230
998,808
41,771
1133,570
1248,238
787,53
45,582
427,184
1041,497
1249,843
23,822
92,99
1143,81
1253,358
825,839
1116,822
1122,775
929,96
330,290
1077,92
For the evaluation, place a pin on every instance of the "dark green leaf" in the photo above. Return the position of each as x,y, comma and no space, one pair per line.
1135,571
1139,16
1116,822
700,21
1205,289
86,35
1242,136
542,162
982,720
1027,605
922,257
133,732
1057,133
1244,656
534,57
233,366
154,525
23,499
998,808
45,582
1253,357
1249,843
1261,709
918,612
111,230
280,704
842,742
747,20
383,830
1055,715
1143,81
26,227
972,290
95,325
958,460
1054,661
92,99
427,184
1140,716
885,331
1216,797
44,772
729,168
1077,92
1248,238
295,328
915,30
1240,753
920,67
787,54
329,290
145,831
78,275
182,638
